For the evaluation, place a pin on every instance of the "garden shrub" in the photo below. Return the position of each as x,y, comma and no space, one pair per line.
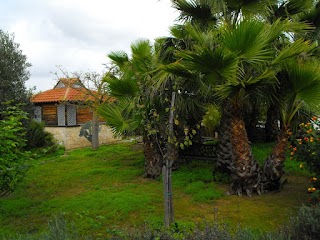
13,157
306,225
305,147
37,136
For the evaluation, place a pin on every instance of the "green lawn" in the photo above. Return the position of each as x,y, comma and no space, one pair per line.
103,192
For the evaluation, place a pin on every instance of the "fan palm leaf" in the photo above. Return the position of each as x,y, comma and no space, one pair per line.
120,116
198,11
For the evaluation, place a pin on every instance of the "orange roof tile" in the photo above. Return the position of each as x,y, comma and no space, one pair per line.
63,94
69,90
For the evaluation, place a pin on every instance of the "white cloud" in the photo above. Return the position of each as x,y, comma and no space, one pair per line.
79,34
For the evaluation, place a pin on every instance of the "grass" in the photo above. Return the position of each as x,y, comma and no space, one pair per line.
103,192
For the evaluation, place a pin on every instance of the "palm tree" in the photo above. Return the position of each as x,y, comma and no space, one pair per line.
236,70
208,15
297,11
302,91
130,113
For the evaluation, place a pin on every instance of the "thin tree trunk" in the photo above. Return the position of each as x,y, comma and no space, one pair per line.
245,170
95,131
273,167
169,158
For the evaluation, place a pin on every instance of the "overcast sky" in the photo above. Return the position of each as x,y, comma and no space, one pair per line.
78,34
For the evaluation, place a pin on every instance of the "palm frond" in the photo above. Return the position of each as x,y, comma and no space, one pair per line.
241,89
125,87
292,50
250,7
194,10
298,6
287,9
248,40
178,31
120,116
305,80
216,64
119,58
141,49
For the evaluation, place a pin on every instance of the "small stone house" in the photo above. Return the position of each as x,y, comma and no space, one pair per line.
65,109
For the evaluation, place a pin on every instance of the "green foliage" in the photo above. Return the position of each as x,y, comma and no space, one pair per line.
37,137
305,145
13,157
13,71
211,119
306,225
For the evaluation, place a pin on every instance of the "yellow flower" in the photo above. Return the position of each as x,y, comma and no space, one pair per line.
301,165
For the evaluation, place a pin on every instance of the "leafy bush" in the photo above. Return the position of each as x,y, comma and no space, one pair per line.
306,225
13,157
305,145
37,137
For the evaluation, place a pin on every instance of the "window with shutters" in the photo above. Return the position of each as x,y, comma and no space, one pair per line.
71,115
61,114
67,115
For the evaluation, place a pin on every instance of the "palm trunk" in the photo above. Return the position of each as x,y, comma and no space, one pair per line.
225,154
153,159
273,167
245,170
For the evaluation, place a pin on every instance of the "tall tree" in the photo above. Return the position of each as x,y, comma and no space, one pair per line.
13,71
133,109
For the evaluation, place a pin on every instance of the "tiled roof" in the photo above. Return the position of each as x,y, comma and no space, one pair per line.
63,94
66,89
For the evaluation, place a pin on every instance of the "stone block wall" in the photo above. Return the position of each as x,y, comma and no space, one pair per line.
69,136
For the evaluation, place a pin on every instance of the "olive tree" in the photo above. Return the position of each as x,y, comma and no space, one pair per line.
13,71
